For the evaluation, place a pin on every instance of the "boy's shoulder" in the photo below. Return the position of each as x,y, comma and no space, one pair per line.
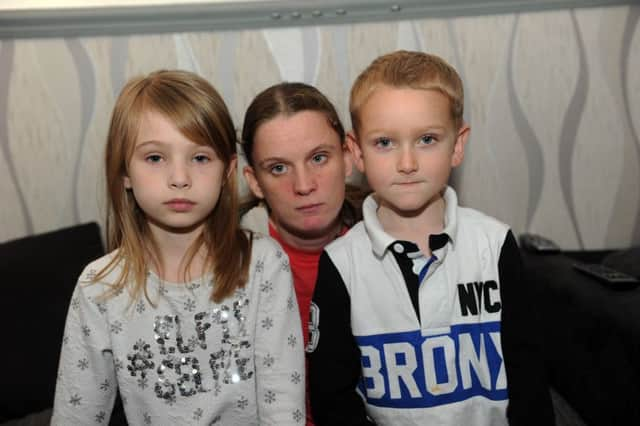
472,218
355,238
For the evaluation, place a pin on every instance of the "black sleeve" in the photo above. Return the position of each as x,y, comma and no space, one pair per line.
529,398
334,363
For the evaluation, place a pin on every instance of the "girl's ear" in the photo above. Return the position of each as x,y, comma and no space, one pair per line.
254,186
127,182
356,152
233,165
458,147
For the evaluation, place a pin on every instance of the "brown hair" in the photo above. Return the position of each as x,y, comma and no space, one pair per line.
285,99
414,70
289,98
198,111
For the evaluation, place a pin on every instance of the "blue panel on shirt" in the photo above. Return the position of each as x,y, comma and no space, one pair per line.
407,370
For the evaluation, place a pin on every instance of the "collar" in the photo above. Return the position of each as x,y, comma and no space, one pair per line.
381,241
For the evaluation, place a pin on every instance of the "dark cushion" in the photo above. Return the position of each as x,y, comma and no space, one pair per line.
38,275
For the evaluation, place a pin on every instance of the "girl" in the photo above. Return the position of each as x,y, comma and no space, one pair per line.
192,319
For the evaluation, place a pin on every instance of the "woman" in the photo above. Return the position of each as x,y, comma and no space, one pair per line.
297,157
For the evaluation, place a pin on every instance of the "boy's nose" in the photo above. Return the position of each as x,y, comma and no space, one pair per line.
407,161
304,182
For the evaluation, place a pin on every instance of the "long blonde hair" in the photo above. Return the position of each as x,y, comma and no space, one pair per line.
200,114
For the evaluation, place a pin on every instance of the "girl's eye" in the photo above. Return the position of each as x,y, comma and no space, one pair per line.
427,140
201,158
278,169
383,143
319,158
153,158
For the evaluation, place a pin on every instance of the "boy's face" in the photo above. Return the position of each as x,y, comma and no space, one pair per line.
406,145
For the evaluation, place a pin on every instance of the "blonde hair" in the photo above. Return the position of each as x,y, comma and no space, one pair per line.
200,114
404,69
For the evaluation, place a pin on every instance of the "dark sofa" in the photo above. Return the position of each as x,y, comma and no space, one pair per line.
38,276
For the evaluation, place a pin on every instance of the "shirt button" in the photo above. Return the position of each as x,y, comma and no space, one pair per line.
398,248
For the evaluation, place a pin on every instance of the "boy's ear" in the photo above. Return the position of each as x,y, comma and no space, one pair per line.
254,186
347,157
356,152
458,147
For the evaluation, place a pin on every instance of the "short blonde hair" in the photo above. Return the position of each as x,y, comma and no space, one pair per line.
404,69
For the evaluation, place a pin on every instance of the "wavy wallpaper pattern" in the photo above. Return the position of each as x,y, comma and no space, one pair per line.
553,99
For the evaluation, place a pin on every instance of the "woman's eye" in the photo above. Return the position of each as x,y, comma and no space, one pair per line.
278,169
153,158
319,158
427,139
201,158
383,142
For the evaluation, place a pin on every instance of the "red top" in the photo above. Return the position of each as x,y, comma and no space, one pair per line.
304,268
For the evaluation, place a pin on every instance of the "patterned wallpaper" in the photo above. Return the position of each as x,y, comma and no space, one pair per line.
553,99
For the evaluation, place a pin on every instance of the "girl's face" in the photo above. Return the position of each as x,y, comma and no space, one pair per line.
300,167
175,181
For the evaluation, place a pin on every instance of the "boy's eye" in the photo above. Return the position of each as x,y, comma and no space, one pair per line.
153,158
278,169
383,142
319,158
201,158
427,139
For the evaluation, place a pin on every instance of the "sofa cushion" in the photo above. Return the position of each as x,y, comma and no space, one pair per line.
38,274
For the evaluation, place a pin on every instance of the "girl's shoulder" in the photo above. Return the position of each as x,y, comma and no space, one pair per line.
263,245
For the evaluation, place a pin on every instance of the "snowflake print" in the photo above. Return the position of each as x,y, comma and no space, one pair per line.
147,418
192,342
285,265
266,286
193,286
116,327
75,303
86,330
297,416
270,397
267,323
140,306
243,402
278,254
83,364
143,382
268,361
100,416
291,341
65,340
296,378
102,307
215,420
105,385
190,305
259,266
91,274
290,303
197,415
217,388
75,400
118,364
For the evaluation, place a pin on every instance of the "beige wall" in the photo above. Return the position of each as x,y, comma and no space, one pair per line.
553,99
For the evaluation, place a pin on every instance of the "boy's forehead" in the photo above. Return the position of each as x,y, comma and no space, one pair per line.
390,101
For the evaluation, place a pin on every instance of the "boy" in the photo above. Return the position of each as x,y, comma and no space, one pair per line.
420,314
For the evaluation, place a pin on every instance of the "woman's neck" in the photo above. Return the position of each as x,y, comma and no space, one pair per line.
306,242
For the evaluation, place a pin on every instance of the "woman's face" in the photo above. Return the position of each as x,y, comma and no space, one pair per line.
300,165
